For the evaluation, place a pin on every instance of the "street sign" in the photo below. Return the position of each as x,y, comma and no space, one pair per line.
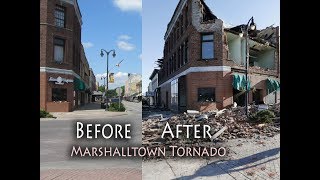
119,91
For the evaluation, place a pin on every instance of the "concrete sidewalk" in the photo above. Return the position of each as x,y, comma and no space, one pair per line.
249,159
85,174
92,109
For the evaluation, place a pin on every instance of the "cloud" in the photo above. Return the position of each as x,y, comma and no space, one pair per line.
129,5
140,57
124,37
87,44
119,79
125,46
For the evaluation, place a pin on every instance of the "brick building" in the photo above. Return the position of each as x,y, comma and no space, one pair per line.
203,62
64,69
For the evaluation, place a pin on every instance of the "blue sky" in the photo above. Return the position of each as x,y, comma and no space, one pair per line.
157,13
112,24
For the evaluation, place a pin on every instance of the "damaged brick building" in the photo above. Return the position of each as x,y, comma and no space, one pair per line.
203,65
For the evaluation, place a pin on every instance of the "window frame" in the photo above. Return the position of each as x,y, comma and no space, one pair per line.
61,9
202,41
64,89
202,101
64,48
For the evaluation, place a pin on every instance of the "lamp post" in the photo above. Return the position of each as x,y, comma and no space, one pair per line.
104,82
252,27
114,55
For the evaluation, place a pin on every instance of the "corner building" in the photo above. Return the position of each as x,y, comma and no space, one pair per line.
203,62
63,79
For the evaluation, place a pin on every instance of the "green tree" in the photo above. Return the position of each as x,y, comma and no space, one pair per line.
122,87
101,88
112,93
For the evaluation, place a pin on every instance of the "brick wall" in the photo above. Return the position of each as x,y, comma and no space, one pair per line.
43,90
71,33
218,80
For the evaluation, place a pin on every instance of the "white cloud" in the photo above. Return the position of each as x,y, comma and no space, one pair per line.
140,56
87,44
125,46
124,37
119,79
129,5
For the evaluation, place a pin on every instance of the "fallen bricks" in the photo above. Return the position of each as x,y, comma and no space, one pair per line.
225,124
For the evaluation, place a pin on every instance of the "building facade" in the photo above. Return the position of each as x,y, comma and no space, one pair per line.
132,85
153,88
203,62
64,69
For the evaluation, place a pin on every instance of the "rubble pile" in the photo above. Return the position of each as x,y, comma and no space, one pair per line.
276,109
225,124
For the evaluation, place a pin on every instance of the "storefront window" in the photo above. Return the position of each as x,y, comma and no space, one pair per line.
59,94
174,95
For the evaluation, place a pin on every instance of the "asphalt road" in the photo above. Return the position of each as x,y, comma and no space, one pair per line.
58,136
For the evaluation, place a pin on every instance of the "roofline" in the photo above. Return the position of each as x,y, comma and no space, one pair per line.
174,17
76,8
154,72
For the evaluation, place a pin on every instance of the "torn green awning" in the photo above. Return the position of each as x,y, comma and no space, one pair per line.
239,82
79,85
273,85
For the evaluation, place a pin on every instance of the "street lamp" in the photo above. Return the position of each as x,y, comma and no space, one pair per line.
114,55
252,27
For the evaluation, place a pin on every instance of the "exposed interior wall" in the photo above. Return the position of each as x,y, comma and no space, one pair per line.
266,59
237,50
234,50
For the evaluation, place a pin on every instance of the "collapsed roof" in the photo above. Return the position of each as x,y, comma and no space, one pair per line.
267,35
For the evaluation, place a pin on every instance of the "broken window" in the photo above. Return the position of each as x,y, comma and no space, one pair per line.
206,95
207,46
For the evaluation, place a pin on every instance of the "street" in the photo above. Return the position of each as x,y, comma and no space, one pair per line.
58,136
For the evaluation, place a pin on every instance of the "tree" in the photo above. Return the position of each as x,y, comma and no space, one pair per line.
122,87
112,93
101,88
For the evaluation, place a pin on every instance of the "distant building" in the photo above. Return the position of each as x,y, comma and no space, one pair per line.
131,88
153,89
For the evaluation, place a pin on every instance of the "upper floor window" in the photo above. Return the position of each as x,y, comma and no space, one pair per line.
59,50
207,46
59,15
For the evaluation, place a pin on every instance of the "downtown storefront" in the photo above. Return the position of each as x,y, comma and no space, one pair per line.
62,92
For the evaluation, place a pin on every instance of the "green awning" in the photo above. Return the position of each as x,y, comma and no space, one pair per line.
273,85
79,85
239,82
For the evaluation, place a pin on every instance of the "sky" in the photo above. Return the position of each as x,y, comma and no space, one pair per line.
112,24
156,14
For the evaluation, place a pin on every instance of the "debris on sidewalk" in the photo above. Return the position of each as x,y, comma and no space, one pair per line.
225,124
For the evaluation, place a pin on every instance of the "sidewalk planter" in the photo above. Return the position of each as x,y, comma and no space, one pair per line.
59,106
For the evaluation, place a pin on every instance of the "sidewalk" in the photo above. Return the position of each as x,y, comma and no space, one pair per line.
257,158
92,109
85,174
